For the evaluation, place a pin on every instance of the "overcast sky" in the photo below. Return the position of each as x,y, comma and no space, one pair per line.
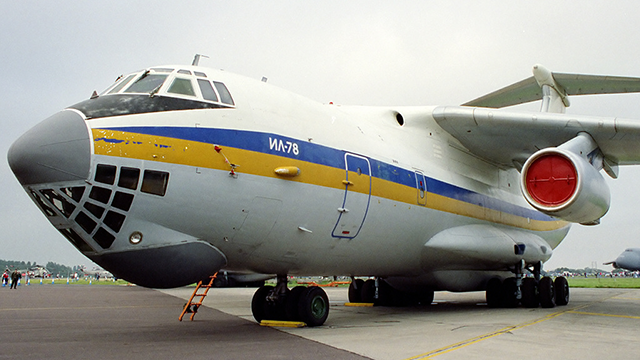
56,53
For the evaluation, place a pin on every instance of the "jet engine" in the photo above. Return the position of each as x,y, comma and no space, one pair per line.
561,183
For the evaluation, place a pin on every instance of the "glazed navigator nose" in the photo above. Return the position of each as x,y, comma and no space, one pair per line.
55,150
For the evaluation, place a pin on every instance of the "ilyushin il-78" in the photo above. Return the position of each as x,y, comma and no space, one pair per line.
175,172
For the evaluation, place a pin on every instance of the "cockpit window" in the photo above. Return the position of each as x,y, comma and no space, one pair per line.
207,90
121,84
186,72
225,96
164,70
146,83
201,74
182,86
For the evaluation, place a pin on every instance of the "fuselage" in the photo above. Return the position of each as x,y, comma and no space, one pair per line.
180,175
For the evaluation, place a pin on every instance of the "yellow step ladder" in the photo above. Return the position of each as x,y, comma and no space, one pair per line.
188,306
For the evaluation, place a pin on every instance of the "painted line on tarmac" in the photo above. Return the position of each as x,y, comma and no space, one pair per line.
601,314
626,298
508,329
477,339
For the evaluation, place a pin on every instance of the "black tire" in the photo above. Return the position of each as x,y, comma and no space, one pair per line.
425,298
494,293
562,290
510,293
547,292
368,291
259,301
313,306
402,298
355,293
276,310
530,296
220,282
385,294
291,304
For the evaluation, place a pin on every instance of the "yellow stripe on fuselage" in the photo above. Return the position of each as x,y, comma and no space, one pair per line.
197,154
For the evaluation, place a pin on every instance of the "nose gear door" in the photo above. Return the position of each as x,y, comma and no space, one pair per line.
357,196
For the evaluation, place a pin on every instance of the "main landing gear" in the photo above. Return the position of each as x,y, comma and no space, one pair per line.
531,292
380,293
307,304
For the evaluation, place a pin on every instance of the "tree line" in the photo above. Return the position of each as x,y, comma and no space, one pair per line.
52,267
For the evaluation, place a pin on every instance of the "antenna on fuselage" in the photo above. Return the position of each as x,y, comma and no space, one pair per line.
196,59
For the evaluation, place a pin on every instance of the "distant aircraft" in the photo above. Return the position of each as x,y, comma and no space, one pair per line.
175,172
629,260
96,272
35,271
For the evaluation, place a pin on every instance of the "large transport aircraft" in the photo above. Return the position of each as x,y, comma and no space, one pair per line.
175,172
628,260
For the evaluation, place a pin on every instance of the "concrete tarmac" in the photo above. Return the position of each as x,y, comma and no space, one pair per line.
109,322
129,322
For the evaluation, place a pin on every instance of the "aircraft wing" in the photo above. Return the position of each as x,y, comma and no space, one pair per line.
509,138
529,89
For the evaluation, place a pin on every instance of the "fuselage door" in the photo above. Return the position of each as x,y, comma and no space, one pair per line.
357,195
421,186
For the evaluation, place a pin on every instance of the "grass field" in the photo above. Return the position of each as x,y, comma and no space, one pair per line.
36,282
581,282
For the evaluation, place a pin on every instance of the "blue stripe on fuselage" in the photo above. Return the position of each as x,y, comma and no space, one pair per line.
323,155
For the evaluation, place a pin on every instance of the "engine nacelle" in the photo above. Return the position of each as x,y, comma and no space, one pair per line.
561,183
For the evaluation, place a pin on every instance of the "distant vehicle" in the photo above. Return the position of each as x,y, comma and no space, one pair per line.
629,260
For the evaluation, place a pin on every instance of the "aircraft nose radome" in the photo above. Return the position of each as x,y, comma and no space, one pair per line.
57,149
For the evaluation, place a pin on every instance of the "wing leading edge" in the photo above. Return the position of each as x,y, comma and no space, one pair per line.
509,138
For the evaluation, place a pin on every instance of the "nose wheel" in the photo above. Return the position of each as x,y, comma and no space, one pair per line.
306,304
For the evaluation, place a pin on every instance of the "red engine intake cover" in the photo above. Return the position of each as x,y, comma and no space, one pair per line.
551,179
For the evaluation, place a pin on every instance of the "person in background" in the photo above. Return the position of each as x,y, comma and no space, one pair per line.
15,277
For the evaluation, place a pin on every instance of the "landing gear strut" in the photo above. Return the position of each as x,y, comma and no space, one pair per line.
307,304
531,292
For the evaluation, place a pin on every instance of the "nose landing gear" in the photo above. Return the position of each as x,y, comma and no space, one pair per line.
307,304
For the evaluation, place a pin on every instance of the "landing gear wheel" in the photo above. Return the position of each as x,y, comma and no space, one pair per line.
291,304
313,306
494,293
355,293
529,289
426,298
259,301
368,291
385,294
547,292
276,310
562,290
510,293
